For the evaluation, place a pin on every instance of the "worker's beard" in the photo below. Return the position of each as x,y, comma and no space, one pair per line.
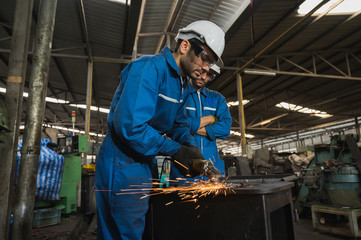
188,65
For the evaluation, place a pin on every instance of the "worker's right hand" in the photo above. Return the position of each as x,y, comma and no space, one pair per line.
184,159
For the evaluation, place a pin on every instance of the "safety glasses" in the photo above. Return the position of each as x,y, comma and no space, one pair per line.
201,54
211,75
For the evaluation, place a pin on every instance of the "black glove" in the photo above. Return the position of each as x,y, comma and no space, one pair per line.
184,158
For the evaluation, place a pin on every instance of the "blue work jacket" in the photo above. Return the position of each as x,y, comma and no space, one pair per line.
147,106
200,104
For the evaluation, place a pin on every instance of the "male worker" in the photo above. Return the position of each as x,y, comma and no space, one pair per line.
149,103
209,119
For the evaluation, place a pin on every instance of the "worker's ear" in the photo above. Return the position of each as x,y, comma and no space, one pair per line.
184,47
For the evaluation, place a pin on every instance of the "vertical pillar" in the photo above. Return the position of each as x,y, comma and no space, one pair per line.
88,97
242,122
298,139
13,101
357,126
30,151
168,40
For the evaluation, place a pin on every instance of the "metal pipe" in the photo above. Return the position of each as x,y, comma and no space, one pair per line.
30,151
13,102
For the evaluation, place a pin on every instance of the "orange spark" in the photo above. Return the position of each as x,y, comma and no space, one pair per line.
180,164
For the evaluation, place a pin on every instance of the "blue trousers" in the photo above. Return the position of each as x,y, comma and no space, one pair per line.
120,214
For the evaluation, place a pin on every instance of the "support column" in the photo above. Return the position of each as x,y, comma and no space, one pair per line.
298,139
357,126
30,151
13,101
89,88
242,122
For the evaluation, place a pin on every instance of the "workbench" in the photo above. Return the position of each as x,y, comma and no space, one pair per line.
256,209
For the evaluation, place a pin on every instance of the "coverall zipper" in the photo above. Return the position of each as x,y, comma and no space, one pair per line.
200,115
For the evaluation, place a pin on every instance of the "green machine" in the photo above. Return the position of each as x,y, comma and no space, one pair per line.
71,147
333,176
4,128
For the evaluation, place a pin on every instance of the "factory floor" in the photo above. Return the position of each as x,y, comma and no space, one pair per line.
74,227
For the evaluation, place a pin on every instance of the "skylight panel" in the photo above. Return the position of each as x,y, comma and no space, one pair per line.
345,7
240,134
236,103
300,109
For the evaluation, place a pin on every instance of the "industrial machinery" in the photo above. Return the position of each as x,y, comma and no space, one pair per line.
4,128
72,147
331,184
248,209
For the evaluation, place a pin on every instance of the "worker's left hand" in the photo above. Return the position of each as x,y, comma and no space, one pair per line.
207,169
184,159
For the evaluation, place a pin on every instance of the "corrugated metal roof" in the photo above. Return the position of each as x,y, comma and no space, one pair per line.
106,21
107,24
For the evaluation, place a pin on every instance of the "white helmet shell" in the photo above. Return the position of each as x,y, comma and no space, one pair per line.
208,33
215,68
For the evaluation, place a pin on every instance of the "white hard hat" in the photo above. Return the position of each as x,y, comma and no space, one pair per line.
208,33
215,68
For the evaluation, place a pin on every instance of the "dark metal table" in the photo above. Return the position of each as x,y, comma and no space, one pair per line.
257,210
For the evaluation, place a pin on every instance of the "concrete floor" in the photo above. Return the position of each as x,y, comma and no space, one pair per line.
69,229
60,231
304,231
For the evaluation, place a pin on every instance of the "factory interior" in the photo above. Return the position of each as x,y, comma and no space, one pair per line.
291,79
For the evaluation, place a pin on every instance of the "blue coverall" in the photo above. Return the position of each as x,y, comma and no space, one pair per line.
200,104
148,103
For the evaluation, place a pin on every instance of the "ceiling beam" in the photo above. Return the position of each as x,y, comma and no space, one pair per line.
242,19
133,17
172,20
224,82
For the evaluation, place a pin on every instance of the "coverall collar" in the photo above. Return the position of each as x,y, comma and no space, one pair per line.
204,90
168,54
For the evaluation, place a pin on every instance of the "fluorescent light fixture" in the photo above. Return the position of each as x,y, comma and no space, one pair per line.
121,1
55,100
48,99
66,129
93,108
345,7
236,103
259,72
300,109
240,134
61,101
